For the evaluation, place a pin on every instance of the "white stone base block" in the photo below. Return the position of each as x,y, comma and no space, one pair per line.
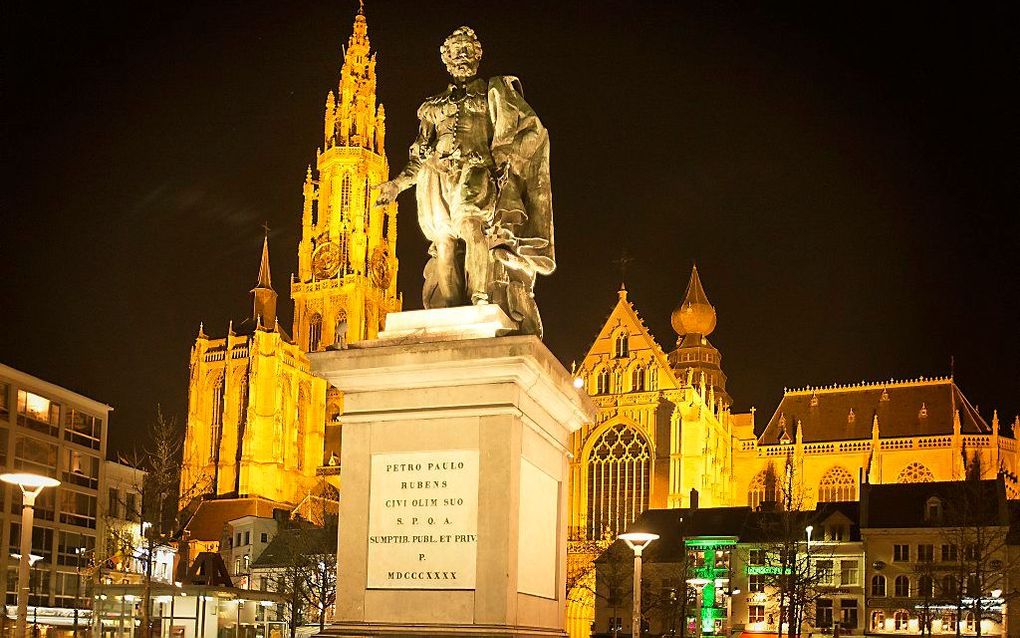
444,324
454,471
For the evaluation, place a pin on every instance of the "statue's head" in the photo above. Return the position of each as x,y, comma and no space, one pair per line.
461,53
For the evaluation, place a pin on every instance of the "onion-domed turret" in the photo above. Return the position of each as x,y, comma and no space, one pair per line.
695,357
694,315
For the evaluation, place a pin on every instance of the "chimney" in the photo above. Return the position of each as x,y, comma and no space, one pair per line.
694,499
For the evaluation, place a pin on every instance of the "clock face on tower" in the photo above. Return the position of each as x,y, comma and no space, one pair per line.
326,260
380,269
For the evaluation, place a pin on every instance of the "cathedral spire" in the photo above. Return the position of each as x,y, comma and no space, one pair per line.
264,311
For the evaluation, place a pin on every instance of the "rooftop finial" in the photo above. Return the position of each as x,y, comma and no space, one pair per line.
694,314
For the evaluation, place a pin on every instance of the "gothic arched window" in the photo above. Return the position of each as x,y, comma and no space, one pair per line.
637,379
619,471
314,332
345,196
653,378
764,488
622,345
837,485
915,473
602,383
216,417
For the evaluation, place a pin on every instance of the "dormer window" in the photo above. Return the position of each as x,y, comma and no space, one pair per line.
933,510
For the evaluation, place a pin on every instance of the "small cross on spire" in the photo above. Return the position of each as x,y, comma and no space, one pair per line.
265,227
622,262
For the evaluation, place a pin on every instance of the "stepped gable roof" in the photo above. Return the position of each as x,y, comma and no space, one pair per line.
212,514
918,407
904,505
307,539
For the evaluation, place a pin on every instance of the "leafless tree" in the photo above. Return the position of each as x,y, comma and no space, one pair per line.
156,511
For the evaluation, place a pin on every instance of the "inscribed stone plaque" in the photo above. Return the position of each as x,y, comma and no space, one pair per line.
423,520
537,529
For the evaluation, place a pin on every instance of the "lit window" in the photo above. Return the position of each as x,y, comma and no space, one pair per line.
755,613
38,413
878,620
901,620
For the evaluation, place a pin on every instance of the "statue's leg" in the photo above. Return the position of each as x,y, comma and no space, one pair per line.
471,213
448,274
476,259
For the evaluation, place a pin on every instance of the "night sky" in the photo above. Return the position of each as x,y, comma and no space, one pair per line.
845,175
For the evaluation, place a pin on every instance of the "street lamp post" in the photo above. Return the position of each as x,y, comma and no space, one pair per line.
31,485
637,541
807,577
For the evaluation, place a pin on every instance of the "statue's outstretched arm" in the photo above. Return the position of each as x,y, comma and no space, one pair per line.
419,151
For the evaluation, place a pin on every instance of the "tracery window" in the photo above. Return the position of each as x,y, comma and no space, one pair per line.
602,383
637,379
915,473
619,470
837,485
216,417
622,345
764,488
653,378
314,332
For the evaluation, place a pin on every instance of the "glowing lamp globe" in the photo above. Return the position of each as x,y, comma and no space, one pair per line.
27,480
636,540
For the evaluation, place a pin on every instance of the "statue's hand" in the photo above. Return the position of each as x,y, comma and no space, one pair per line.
388,192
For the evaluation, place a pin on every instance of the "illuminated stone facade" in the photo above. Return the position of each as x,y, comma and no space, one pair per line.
262,430
664,426
347,264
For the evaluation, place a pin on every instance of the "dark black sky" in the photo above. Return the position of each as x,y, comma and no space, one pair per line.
845,175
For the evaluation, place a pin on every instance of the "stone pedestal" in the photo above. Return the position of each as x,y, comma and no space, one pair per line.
453,479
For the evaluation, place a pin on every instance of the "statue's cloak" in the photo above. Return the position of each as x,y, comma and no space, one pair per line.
520,148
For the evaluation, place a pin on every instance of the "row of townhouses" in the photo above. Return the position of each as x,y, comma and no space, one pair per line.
931,558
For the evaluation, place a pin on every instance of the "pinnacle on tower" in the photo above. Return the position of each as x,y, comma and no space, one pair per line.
264,311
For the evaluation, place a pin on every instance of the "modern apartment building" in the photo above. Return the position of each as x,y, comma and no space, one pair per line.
50,430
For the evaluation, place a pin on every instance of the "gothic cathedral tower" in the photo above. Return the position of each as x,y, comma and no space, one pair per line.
347,264
263,432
